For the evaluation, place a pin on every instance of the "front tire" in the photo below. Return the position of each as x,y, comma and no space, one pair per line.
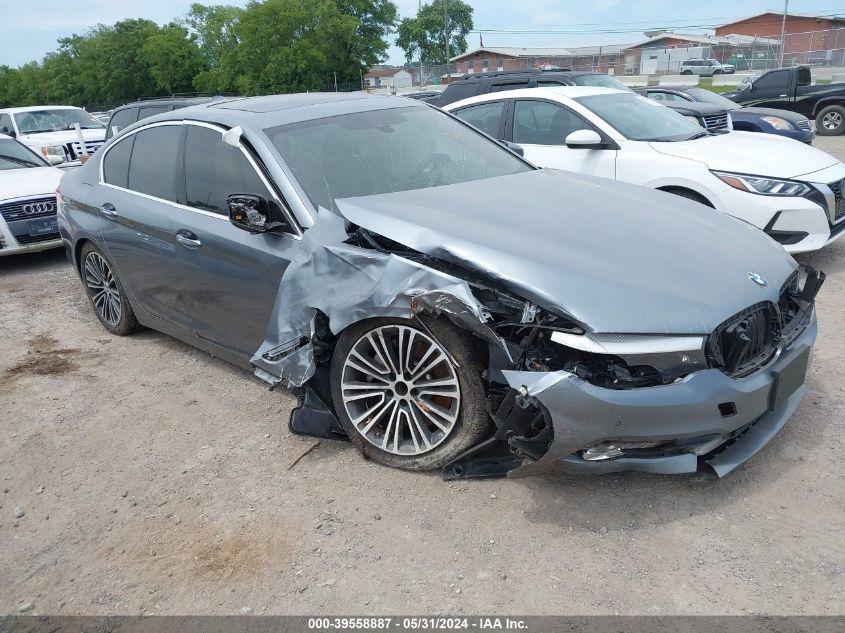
400,397
105,292
831,121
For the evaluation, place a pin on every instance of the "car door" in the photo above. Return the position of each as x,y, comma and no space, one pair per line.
226,279
540,127
771,91
141,176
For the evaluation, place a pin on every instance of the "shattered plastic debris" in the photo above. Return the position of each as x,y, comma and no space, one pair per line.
348,284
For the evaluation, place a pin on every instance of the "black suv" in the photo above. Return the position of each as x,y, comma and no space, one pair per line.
482,83
127,114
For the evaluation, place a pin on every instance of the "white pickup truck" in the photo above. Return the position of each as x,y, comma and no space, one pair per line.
50,131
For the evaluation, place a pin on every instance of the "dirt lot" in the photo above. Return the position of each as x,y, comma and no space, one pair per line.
155,479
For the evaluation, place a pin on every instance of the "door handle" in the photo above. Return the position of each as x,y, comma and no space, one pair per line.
108,210
188,239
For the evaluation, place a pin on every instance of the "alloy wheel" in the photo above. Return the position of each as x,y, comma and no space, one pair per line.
102,287
400,390
832,120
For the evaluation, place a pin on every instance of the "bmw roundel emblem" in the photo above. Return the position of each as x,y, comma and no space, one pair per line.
758,279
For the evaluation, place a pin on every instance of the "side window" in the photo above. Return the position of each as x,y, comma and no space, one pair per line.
6,124
154,167
544,123
775,80
215,170
116,162
666,96
487,117
120,120
547,83
512,85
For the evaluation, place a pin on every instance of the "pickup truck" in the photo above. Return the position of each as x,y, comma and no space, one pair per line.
791,89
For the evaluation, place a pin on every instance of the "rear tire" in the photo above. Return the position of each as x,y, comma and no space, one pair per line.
831,121
392,410
105,292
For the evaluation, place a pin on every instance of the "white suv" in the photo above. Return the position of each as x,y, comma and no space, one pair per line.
50,131
706,67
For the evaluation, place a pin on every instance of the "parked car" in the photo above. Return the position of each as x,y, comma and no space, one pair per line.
475,84
27,200
766,120
711,117
791,191
127,114
102,117
705,67
426,96
429,292
792,89
50,131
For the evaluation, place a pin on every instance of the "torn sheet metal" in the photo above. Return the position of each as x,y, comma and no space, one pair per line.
347,284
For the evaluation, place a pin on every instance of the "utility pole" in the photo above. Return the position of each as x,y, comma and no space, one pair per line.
446,35
335,82
783,30
419,8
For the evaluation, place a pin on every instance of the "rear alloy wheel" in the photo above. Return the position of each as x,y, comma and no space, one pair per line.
831,121
402,399
106,292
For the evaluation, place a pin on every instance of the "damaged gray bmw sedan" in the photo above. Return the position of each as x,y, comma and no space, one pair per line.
438,300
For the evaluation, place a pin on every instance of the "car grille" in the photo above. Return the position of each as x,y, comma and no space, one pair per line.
716,121
28,209
75,149
32,239
839,200
804,124
748,340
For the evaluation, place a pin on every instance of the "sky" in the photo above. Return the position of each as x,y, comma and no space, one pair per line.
30,28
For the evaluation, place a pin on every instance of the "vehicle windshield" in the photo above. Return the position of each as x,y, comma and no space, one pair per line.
13,155
602,81
700,94
640,119
385,151
35,121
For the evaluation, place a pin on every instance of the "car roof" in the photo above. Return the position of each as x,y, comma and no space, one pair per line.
273,110
569,92
189,100
34,108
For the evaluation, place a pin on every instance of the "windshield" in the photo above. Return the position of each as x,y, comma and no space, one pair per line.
602,81
13,155
385,151
641,119
35,121
700,94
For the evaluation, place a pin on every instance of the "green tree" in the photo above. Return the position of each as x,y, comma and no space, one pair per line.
173,59
215,30
357,32
424,37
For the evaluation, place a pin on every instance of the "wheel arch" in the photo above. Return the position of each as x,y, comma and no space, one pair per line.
821,104
687,192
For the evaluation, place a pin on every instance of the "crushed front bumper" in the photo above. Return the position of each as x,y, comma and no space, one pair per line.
584,415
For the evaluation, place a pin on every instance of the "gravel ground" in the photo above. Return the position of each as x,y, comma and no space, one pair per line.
142,476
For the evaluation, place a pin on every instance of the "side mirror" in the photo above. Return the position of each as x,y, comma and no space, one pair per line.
584,139
8,132
254,214
516,149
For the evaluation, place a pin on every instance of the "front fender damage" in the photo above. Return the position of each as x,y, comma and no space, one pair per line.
331,284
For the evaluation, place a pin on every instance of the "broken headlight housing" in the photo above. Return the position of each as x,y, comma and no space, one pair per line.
623,361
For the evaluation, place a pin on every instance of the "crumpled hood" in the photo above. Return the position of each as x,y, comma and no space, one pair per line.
751,153
615,257
28,181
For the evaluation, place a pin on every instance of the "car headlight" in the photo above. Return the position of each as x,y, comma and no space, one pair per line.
55,154
693,119
777,123
764,186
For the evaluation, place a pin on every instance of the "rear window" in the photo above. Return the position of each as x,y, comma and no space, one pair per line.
458,90
120,120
